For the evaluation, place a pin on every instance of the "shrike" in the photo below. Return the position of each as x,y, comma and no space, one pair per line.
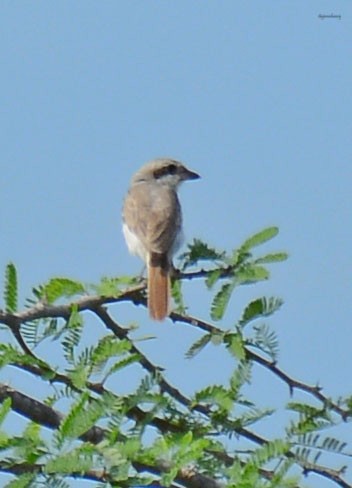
152,225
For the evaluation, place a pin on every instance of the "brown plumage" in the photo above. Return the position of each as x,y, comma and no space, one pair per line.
158,286
152,225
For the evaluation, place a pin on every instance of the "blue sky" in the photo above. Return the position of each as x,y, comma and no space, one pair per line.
255,96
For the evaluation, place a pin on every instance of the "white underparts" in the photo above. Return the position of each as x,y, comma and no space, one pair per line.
136,247
134,244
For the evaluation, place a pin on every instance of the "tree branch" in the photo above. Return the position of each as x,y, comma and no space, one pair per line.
32,408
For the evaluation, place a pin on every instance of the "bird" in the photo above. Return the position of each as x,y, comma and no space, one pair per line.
152,225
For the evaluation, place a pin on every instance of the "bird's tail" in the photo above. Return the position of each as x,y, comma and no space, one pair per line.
158,286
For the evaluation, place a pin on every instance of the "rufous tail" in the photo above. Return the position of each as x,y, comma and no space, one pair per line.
158,286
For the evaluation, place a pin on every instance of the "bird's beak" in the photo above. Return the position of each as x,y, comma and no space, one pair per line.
187,174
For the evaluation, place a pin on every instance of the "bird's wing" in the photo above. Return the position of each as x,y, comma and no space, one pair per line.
152,212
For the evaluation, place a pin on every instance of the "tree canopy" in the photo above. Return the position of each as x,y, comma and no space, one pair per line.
77,427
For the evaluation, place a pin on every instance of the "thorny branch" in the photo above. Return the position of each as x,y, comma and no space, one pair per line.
49,417
38,411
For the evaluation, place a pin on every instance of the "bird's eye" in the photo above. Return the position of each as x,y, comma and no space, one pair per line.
164,171
172,168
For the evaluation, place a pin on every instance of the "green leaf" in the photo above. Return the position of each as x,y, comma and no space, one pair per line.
29,446
250,274
269,451
261,307
333,445
274,257
5,408
131,359
108,347
255,415
305,409
53,481
31,332
198,251
60,288
79,375
217,338
76,461
221,301
212,277
176,292
83,415
215,395
10,290
236,346
266,340
308,410
130,447
197,346
252,311
22,481
75,320
168,477
259,238
329,444
310,418
10,355
113,287
244,475
5,441
73,331
240,376
280,478
34,445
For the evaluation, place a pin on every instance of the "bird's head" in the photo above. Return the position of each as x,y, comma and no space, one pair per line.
164,171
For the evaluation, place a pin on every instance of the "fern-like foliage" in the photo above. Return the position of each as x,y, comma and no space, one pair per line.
123,363
73,332
113,286
76,461
217,396
269,451
310,418
23,481
259,308
52,481
259,238
30,446
10,288
148,396
181,449
240,376
274,257
108,347
11,355
5,408
241,268
266,340
57,288
200,251
155,427
280,477
236,345
83,415
198,346
221,300
309,447
176,292
36,331
254,415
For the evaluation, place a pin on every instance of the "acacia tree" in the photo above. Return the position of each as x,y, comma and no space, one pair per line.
156,434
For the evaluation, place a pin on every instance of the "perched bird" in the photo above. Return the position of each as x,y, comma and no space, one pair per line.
152,225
